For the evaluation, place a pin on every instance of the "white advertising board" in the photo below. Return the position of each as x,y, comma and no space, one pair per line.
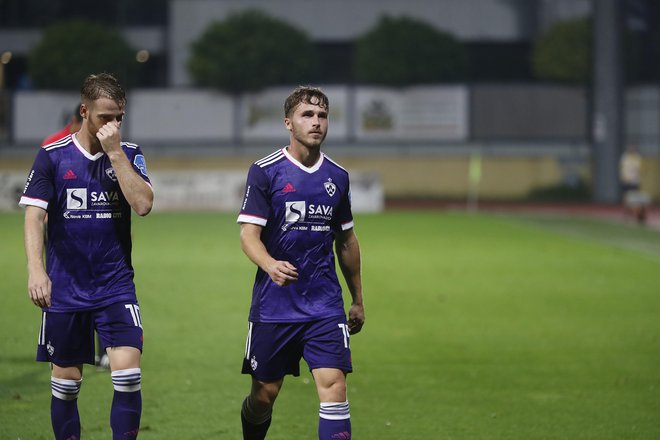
416,113
262,115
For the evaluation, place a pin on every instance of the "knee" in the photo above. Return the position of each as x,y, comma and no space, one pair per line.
263,395
331,387
66,373
336,391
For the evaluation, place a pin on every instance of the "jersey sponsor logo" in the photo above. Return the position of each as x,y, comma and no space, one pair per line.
29,179
140,163
295,212
299,214
76,198
104,197
68,215
247,194
330,187
70,175
112,175
320,211
108,215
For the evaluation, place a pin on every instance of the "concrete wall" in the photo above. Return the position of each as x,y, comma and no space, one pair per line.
420,176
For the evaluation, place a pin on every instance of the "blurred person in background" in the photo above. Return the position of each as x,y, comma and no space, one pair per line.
630,173
72,126
88,183
296,205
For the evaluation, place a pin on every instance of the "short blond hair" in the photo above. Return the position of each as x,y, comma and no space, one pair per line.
308,95
102,85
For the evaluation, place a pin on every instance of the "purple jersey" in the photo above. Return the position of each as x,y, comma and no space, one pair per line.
88,250
300,209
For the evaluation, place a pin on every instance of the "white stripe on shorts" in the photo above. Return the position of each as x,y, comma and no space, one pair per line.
42,330
248,342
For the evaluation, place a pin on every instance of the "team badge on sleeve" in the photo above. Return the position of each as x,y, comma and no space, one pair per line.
330,187
140,163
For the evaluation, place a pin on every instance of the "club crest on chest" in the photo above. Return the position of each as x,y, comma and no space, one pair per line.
330,187
112,175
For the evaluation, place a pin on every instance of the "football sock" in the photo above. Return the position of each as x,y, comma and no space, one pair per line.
255,427
126,404
334,421
64,408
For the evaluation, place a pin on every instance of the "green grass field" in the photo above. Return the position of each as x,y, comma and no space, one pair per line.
478,327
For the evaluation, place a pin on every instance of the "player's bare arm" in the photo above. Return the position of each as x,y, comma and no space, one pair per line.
137,192
39,284
281,272
348,256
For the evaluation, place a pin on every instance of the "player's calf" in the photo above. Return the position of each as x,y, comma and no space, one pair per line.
64,408
126,403
255,419
334,421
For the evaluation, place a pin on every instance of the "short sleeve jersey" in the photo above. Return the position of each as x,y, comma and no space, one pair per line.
300,210
88,249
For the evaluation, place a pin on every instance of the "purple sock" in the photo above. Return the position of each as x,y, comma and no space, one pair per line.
126,404
334,421
64,408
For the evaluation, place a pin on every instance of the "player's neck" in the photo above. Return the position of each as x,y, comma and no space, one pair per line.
91,145
303,154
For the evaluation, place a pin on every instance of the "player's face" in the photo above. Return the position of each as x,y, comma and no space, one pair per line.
308,125
100,112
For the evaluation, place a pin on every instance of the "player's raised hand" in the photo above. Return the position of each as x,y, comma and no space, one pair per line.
110,137
283,273
39,288
355,318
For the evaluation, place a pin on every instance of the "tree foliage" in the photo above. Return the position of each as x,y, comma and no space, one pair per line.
565,52
69,51
403,51
249,51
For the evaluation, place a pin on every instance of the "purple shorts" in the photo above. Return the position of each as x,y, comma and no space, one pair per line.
273,350
67,339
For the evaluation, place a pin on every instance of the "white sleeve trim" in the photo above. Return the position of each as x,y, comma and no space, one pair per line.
245,218
347,226
29,201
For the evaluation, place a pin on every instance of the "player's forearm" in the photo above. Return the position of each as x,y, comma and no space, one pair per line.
255,250
354,284
34,239
348,254
137,192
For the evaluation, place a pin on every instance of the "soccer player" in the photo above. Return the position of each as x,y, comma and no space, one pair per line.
88,183
296,204
72,126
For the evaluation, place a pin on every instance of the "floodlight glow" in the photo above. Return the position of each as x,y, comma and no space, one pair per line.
142,56
5,58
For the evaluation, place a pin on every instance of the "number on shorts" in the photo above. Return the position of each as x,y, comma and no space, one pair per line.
135,314
344,330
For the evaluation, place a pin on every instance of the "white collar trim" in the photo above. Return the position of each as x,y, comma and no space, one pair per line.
309,170
83,151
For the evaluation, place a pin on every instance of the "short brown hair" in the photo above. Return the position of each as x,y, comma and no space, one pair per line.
307,95
102,85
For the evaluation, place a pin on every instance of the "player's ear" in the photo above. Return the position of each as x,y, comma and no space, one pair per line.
287,123
84,111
